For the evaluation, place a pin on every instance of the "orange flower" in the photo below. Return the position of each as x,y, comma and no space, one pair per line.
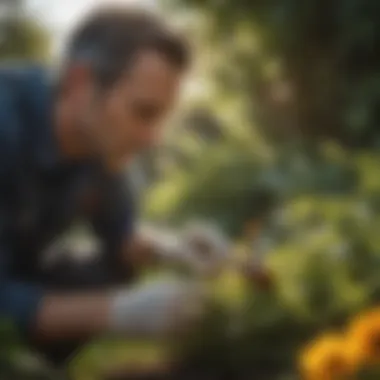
363,338
326,359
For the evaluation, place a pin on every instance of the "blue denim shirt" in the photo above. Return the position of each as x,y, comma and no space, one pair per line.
41,194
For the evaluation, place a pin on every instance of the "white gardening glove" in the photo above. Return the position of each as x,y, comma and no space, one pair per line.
170,247
210,246
156,309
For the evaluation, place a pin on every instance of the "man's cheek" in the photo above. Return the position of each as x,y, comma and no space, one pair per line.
115,129
150,136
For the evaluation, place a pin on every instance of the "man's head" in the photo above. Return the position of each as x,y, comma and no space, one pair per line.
121,77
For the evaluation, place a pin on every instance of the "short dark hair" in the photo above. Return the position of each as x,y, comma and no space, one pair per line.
109,39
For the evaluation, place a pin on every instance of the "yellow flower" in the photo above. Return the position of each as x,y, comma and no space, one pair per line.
326,359
363,338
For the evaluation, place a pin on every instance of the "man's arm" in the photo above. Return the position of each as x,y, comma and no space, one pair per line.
43,315
151,310
51,317
48,317
62,317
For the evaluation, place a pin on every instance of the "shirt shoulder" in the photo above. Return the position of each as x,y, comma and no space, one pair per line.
10,121
20,92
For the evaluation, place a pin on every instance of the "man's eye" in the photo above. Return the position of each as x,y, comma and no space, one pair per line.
147,112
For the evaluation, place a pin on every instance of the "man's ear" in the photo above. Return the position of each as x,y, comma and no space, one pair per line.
77,81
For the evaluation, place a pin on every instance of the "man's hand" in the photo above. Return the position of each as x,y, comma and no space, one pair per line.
156,309
199,247
209,245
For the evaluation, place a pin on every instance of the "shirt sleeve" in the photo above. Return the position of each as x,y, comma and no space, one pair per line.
130,208
115,225
18,300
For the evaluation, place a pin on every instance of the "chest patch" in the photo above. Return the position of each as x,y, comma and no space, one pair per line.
77,244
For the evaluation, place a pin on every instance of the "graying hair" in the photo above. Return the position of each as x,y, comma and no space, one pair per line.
109,39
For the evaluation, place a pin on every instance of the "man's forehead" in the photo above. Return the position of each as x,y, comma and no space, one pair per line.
152,68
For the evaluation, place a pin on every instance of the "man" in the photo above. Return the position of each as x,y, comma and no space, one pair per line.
62,150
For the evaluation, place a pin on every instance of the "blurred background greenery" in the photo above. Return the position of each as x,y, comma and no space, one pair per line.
280,126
